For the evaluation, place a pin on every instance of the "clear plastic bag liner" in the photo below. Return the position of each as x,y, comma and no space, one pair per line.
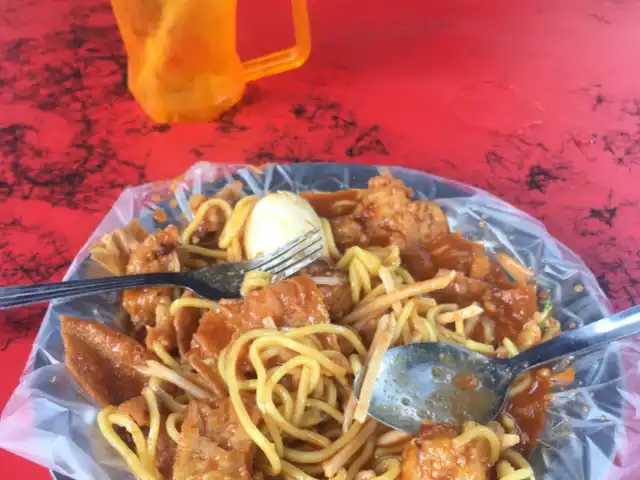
51,421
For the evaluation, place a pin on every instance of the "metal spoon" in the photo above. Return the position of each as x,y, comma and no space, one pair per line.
447,383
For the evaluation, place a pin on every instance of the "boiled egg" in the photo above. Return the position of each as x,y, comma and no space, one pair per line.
277,219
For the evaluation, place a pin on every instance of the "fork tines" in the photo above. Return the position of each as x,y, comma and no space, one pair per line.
293,256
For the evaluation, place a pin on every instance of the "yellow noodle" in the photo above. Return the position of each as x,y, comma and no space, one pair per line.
254,280
329,238
479,347
154,427
392,469
332,393
327,408
391,450
199,216
195,263
362,273
390,286
291,344
135,462
314,470
172,429
234,251
487,330
463,313
302,394
193,303
509,440
344,332
360,460
236,220
163,355
518,460
424,327
330,467
281,423
264,395
365,475
369,261
341,475
355,284
406,277
378,349
402,320
375,293
356,364
470,325
507,472
291,471
267,447
317,456
167,400
512,350
286,401
520,385
349,411
206,252
385,301
345,260
155,369
480,431
424,304
393,437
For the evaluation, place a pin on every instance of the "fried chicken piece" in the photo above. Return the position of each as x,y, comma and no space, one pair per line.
386,215
290,303
114,249
103,360
157,254
163,331
335,287
348,232
213,444
185,322
296,302
137,409
432,456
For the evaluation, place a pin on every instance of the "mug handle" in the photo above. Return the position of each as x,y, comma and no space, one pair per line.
289,58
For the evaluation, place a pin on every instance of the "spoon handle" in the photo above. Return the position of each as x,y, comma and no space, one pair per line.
582,340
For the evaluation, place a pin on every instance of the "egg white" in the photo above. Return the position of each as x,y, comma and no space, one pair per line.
276,219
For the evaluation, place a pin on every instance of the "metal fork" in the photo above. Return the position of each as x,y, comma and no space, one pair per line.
214,282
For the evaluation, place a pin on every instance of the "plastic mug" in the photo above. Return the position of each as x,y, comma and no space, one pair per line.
182,60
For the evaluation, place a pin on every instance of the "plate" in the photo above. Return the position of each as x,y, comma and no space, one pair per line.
49,420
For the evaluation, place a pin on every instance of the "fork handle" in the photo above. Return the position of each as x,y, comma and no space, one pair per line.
44,292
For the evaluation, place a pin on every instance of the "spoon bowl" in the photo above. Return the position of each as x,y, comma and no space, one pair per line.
448,383
437,382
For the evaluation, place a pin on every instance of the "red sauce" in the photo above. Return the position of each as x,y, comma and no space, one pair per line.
466,381
528,410
331,204
418,262
159,216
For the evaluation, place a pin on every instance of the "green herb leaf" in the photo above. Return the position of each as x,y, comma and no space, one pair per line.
546,311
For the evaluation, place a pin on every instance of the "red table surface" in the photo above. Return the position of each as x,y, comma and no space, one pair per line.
537,102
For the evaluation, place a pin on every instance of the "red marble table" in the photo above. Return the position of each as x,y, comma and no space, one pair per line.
537,102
